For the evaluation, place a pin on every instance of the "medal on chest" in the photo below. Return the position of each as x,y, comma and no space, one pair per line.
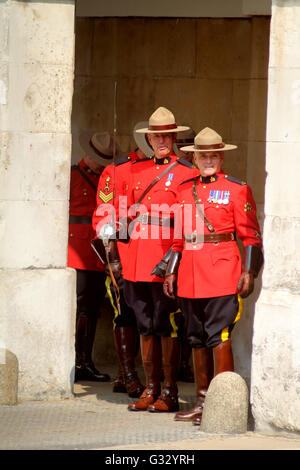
169,180
219,196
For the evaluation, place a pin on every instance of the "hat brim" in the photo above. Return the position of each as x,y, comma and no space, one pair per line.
84,141
192,148
162,131
141,140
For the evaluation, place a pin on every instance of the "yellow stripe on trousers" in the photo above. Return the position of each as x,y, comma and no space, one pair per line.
108,283
173,324
225,331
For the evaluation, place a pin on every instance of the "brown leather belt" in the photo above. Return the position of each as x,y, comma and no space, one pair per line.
80,219
146,219
210,237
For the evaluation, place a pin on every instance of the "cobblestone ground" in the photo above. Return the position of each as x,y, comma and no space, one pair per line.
96,418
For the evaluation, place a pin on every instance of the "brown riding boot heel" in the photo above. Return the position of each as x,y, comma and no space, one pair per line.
203,373
150,348
168,400
126,346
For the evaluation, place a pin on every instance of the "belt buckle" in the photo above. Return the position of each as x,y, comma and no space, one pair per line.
194,238
144,218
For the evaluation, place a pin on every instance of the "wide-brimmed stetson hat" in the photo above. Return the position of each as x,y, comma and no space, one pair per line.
183,139
141,139
208,140
162,121
99,145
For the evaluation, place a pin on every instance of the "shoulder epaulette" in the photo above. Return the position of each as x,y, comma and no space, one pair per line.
122,160
139,160
190,179
185,162
234,180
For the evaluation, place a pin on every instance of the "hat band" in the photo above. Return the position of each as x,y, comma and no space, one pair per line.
162,128
213,146
100,154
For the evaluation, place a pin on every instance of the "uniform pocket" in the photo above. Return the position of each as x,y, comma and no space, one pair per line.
224,253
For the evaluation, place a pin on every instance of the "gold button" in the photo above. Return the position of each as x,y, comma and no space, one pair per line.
149,197
71,235
136,187
166,189
204,187
157,167
217,206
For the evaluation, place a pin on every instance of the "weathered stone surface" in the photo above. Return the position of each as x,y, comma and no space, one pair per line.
37,323
9,370
226,405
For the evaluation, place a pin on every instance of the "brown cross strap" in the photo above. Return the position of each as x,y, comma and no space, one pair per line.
206,221
159,177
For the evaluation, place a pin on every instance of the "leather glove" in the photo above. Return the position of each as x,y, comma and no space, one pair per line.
169,286
246,284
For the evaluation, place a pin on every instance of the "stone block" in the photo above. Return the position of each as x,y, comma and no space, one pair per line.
41,33
34,166
282,195
9,371
224,47
285,35
38,309
188,99
42,95
136,49
275,373
33,234
283,105
226,405
282,256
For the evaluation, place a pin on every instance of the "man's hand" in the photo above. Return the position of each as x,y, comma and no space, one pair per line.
246,284
114,268
169,286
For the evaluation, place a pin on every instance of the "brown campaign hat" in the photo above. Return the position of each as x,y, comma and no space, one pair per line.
208,140
99,145
162,121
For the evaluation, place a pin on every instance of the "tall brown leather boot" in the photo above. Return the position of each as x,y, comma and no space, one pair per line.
223,362
203,373
150,348
168,400
119,382
126,340
223,357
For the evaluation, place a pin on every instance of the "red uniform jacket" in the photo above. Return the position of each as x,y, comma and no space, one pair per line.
112,184
149,243
82,203
213,269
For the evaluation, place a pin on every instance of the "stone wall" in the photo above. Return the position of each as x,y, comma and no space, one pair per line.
37,291
209,72
276,346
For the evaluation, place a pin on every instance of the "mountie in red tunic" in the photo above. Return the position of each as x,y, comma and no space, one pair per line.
149,240
214,269
82,204
112,184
